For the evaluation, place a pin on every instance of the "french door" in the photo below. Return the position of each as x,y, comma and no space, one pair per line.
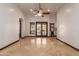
41,29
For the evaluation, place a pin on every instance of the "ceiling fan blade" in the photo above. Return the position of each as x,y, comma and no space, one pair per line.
46,12
36,11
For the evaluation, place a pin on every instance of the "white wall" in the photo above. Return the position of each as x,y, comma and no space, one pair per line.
31,18
68,24
9,24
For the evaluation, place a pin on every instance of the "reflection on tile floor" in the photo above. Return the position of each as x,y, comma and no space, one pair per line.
41,46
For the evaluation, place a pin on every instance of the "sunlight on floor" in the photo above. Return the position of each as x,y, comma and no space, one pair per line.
39,42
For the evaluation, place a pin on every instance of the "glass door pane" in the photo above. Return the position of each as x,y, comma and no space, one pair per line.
38,29
43,29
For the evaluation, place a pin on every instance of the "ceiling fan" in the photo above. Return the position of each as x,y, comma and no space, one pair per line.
40,11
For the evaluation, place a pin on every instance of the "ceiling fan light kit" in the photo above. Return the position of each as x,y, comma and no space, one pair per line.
40,12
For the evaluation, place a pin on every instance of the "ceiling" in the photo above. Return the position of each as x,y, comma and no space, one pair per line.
53,7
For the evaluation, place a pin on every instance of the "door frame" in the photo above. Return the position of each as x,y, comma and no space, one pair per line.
41,29
20,27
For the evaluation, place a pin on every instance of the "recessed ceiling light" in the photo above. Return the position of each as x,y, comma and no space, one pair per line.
11,9
48,10
68,10
31,10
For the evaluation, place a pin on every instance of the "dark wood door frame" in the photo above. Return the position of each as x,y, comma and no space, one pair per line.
41,29
52,27
20,27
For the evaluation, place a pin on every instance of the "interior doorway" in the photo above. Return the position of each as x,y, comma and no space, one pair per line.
20,27
41,29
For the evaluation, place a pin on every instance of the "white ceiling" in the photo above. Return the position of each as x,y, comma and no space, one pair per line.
25,7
